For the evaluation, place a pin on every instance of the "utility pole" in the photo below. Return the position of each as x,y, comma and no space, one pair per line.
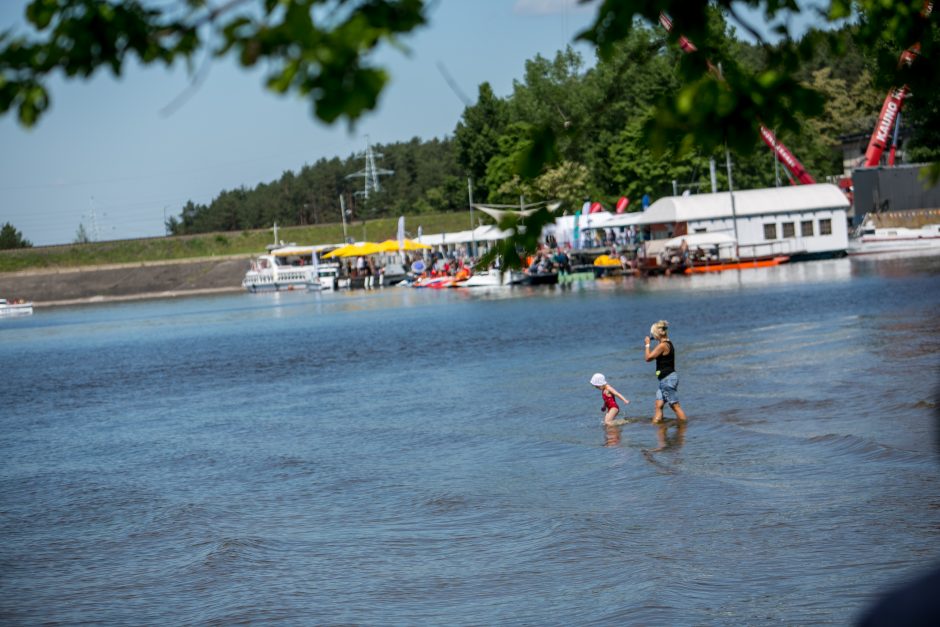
473,241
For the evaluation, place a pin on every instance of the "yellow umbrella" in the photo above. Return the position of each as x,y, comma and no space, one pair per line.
335,253
606,261
391,245
354,250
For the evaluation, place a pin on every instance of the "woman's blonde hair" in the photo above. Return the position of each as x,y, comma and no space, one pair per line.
659,329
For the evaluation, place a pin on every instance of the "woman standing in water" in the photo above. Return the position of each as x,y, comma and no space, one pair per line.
665,356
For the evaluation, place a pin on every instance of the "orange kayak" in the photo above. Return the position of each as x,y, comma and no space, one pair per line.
741,265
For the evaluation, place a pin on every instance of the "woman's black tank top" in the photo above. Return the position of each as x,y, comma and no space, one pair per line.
666,364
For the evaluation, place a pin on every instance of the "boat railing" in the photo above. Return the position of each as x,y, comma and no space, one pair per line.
771,249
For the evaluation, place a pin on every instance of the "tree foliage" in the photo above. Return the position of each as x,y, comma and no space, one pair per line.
11,238
318,49
81,235
426,179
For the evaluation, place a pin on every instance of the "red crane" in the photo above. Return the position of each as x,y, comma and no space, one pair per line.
889,118
784,155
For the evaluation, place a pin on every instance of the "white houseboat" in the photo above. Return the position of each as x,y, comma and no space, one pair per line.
799,222
291,268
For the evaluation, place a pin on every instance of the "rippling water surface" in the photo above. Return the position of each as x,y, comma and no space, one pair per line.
437,457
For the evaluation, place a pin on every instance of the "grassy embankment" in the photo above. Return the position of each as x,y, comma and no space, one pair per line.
218,244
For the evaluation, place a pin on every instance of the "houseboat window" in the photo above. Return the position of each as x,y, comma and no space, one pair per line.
770,231
788,229
701,230
806,228
825,227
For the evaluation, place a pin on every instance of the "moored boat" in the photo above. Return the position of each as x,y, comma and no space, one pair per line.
16,308
289,268
489,278
739,265
870,240
434,282
696,253
539,278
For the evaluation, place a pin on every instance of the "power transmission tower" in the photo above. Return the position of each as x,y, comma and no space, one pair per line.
371,173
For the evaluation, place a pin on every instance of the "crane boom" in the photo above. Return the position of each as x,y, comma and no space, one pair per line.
891,109
783,154
787,158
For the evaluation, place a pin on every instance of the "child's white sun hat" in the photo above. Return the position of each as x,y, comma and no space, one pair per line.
598,379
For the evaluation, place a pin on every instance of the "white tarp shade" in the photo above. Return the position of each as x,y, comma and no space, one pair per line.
497,213
607,220
485,233
301,251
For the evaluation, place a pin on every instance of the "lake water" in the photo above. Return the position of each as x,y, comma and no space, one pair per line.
437,457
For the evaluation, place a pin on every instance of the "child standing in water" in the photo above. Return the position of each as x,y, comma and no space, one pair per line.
610,408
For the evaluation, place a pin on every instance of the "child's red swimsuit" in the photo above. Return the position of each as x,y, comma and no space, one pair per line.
609,401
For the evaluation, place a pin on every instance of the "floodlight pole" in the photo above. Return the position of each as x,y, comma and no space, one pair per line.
342,210
734,215
473,241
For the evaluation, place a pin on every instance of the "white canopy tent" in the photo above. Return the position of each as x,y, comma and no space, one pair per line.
485,233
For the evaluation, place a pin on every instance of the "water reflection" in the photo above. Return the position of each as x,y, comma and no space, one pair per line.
612,435
896,264
667,439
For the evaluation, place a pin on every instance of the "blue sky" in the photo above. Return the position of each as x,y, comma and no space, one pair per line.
107,148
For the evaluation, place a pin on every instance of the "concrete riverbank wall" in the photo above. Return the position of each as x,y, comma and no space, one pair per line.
166,279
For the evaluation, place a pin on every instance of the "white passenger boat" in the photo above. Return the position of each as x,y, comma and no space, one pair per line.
870,240
491,278
9,310
291,268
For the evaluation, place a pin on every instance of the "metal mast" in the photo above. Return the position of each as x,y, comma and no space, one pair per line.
371,173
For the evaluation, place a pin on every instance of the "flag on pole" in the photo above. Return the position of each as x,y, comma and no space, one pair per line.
401,234
577,229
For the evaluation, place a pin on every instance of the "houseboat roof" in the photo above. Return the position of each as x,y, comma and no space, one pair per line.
748,202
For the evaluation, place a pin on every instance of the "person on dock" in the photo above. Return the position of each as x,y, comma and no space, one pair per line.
610,408
665,356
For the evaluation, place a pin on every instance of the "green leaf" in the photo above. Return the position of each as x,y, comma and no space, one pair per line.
538,151
839,9
41,12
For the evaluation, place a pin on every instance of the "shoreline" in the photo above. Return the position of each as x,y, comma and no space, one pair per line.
58,287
